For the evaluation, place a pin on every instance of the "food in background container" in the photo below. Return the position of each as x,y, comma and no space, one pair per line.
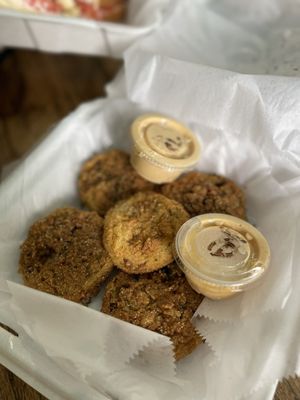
101,10
163,148
221,255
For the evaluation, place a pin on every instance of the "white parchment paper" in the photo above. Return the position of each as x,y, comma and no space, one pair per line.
94,348
254,37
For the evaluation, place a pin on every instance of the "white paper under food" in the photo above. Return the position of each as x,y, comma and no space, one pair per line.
112,357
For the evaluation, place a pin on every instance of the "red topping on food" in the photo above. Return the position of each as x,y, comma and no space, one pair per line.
45,5
87,9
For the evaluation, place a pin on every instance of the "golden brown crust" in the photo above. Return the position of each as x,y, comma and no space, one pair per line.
161,301
107,178
202,193
139,232
64,255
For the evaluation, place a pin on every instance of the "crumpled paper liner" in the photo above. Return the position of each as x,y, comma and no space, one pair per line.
99,350
257,37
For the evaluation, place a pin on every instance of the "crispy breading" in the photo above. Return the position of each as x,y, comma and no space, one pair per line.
107,178
161,301
202,193
64,255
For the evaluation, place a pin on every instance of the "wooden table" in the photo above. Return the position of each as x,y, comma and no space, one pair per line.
37,90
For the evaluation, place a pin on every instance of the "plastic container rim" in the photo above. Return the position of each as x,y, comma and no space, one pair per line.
77,21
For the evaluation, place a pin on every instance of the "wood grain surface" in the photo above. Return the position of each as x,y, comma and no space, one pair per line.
36,91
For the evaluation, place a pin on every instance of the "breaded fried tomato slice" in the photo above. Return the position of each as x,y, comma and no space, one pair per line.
161,301
64,255
107,178
139,232
202,193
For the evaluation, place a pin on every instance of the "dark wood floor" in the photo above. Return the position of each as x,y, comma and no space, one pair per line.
37,90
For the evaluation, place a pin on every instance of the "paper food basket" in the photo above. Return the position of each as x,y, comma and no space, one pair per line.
54,33
250,121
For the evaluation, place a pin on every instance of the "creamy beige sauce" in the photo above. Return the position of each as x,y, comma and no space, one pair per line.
168,142
218,252
217,246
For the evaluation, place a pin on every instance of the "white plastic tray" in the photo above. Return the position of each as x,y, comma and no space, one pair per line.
55,33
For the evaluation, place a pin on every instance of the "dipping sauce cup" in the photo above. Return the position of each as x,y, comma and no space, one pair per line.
221,255
163,148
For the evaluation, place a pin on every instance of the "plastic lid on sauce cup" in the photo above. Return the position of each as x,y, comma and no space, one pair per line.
221,255
163,148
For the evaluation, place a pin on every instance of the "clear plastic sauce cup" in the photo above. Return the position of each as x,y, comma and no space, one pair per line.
221,255
163,148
